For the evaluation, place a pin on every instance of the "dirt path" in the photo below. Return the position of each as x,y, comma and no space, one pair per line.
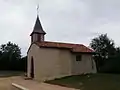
34,85
5,82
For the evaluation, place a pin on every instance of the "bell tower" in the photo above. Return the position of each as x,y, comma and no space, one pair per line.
38,33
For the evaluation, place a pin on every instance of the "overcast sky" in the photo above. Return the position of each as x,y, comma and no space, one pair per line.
76,21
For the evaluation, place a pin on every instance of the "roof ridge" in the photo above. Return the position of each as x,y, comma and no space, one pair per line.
62,42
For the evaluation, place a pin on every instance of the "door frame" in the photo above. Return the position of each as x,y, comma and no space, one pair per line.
32,68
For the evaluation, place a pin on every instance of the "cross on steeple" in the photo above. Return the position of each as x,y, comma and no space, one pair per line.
38,9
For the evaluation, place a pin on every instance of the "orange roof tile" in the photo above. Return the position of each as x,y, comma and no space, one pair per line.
72,47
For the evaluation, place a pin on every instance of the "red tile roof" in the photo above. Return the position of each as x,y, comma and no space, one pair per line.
72,47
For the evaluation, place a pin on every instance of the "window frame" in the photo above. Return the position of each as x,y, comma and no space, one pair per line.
78,57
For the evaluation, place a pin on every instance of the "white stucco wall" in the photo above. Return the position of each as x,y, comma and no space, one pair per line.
84,66
49,63
52,63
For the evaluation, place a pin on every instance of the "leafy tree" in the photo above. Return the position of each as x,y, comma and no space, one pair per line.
23,63
10,55
104,48
12,50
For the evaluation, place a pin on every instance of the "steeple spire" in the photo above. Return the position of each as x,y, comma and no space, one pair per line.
38,32
38,27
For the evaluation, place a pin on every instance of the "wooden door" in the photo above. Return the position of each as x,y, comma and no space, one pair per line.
32,68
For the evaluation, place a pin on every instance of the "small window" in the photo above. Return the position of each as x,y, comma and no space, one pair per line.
78,57
32,39
39,37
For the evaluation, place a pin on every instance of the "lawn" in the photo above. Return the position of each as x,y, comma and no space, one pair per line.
90,82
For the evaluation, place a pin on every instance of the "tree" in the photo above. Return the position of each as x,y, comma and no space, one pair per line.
23,64
12,49
10,55
104,48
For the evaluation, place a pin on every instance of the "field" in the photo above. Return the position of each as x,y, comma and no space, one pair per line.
90,82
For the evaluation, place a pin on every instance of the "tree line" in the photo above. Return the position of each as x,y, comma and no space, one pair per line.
11,59
107,56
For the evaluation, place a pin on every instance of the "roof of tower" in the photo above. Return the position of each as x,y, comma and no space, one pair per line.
38,27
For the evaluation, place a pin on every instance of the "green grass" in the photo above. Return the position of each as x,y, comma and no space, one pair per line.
90,82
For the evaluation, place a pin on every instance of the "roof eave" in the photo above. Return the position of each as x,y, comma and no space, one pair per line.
37,33
84,52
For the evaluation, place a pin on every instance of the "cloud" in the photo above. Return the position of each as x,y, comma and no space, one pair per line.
76,21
